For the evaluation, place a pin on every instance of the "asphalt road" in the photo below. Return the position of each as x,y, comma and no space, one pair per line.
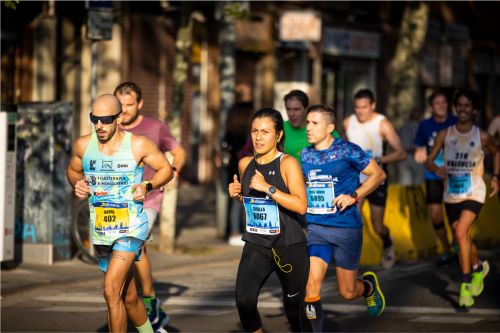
420,298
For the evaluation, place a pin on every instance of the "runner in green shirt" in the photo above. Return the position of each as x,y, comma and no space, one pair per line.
296,102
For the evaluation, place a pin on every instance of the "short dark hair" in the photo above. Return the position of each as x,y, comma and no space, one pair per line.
436,93
325,109
128,87
277,119
471,95
298,94
365,93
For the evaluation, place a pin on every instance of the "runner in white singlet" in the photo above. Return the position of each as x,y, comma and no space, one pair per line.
370,130
465,189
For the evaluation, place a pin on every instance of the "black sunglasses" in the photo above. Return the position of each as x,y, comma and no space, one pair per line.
105,120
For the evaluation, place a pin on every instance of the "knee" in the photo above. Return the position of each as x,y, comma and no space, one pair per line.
131,299
348,293
245,302
111,292
461,234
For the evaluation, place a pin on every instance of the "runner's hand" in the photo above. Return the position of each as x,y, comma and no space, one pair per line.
343,201
139,191
442,172
420,155
495,186
82,189
234,189
258,182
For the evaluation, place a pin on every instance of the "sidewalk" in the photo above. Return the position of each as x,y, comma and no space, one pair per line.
197,243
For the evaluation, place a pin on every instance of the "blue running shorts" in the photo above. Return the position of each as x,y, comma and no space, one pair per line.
125,244
341,244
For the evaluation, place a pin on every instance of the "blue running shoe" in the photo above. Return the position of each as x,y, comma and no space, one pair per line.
153,308
163,320
375,301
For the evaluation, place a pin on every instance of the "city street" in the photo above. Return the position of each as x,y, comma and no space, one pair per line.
199,298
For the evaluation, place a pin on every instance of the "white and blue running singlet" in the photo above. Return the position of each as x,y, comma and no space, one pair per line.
113,212
331,172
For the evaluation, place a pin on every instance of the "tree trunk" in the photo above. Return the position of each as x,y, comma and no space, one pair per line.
404,67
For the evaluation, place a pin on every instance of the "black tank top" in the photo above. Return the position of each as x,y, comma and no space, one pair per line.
291,231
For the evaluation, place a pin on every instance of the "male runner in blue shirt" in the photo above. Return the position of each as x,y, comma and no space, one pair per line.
332,168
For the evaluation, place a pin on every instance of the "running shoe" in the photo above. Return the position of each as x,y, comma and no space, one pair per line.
375,301
153,308
465,299
388,257
477,283
163,320
161,330
310,312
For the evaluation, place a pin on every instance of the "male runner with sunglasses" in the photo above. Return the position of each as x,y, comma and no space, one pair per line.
107,168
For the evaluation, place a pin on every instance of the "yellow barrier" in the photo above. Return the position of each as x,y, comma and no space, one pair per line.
411,228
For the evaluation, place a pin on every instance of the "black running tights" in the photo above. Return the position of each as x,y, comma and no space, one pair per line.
256,265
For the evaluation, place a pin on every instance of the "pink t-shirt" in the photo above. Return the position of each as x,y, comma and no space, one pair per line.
159,133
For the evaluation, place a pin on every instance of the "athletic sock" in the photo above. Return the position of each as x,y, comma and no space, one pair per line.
368,286
314,313
478,267
386,239
467,277
146,327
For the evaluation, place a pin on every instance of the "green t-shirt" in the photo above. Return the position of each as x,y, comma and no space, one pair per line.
296,140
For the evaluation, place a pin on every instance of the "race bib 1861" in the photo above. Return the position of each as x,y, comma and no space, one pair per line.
320,196
111,218
262,216
459,184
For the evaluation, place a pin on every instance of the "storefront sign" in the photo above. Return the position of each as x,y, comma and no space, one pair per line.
300,26
255,34
344,42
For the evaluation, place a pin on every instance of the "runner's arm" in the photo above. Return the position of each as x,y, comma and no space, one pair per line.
487,142
391,136
74,172
375,177
234,188
179,154
153,158
296,201
438,144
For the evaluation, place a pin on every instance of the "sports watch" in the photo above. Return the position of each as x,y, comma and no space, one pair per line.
271,191
149,186
354,195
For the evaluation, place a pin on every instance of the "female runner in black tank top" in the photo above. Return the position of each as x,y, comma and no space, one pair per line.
272,244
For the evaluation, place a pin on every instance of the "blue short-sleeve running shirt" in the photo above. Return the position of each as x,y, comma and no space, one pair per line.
426,134
341,165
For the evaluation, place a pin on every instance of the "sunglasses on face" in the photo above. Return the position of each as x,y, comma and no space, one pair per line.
105,120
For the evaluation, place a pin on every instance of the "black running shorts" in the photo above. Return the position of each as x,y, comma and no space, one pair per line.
453,210
379,196
434,189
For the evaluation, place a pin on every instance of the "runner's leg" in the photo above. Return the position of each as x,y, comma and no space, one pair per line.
114,278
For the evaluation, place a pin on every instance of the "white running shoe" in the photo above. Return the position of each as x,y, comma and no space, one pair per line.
388,257
236,241
161,330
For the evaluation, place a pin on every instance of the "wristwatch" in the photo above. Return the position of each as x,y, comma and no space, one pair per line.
354,195
149,186
271,191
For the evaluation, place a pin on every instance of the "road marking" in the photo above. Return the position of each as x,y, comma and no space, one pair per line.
68,308
230,302
446,320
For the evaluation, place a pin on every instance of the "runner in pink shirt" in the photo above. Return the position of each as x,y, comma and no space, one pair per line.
130,97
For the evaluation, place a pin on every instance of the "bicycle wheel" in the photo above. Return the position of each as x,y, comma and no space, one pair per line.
80,230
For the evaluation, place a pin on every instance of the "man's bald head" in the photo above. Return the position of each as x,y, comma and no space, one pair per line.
106,105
